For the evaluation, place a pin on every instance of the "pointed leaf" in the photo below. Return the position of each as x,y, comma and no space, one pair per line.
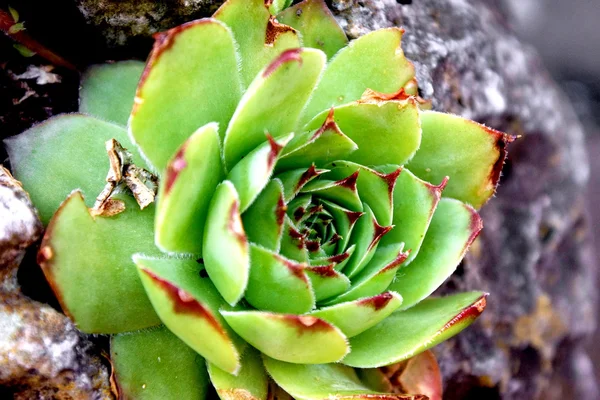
342,192
366,235
225,246
318,147
259,36
339,260
316,24
73,157
385,132
373,61
471,154
292,338
107,90
263,220
375,189
324,381
189,64
293,181
414,204
453,228
293,242
155,364
187,186
273,102
359,315
252,174
188,305
251,382
344,221
88,264
422,375
326,281
278,284
405,334
376,275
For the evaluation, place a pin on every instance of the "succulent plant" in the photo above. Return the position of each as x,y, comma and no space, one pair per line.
308,205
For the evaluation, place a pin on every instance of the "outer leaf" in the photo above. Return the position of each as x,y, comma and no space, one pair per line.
292,338
187,304
185,192
407,333
225,250
453,228
324,381
414,204
385,132
155,364
273,102
471,154
188,65
73,156
316,24
252,174
277,284
88,264
357,316
260,37
251,383
373,61
107,90
263,221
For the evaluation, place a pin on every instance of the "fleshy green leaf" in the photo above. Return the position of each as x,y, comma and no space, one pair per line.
277,284
188,65
373,61
188,305
453,228
342,192
287,337
385,132
156,365
107,90
366,235
471,154
326,281
407,333
375,189
259,36
292,242
293,181
316,24
376,276
187,186
324,381
225,250
357,316
278,5
318,147
251,383
252,174
88,264
344,221
273,102
414,204
263,221
61,154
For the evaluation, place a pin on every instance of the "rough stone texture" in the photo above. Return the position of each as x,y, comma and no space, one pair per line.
42,354
534,255
124,21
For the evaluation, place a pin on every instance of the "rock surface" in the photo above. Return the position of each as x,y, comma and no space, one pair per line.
534,255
